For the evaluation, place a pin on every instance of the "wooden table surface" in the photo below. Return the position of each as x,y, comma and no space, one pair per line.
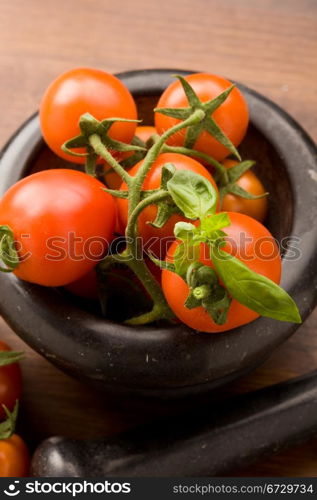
268,45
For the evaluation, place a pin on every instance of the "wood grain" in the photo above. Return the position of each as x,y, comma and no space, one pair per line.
270,46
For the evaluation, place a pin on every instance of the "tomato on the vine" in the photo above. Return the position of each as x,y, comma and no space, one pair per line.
232,115
160,237
256,208
10,383
79,91
62,222
14,457
248,240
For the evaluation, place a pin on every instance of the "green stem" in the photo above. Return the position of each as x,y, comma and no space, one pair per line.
112,259
131,255
155,150
221,169
155,314
90,164
201,292
160,308
150,200
101,150
131,258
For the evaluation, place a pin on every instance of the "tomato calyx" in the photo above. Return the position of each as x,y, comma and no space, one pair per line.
208,124
10,357
91,127
204,287
8,254
230,185
167,207
7,428
137,155
205,291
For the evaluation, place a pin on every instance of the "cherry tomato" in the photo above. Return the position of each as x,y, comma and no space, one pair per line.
10,384
160,238
14,457
256,208
79,91
112,180
62,221
144,132
249,241
232,115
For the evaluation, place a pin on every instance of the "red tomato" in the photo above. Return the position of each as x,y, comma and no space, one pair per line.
256,208
79,91
10,384
232,116
14,457
247,240
161,238
144,132
62,222
112,179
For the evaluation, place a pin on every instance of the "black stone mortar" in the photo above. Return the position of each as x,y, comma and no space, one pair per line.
170,362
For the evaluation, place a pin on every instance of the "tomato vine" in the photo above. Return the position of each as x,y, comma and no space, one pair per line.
185,192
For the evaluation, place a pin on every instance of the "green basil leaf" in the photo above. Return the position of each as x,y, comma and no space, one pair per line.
192,193
184,230
185,255
215,222
254,290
